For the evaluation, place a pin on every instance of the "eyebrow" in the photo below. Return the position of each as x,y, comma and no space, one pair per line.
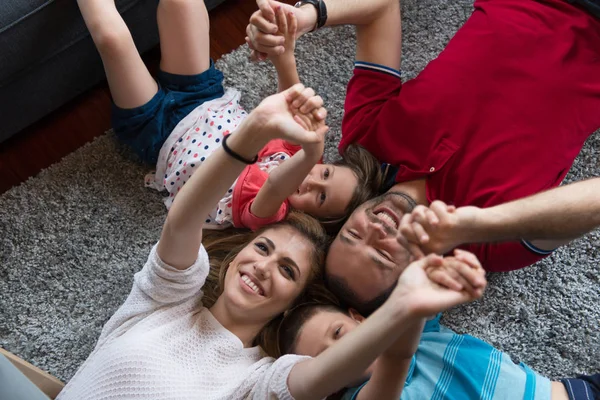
287,260
332,171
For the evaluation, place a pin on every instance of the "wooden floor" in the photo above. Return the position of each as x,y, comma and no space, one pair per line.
88,116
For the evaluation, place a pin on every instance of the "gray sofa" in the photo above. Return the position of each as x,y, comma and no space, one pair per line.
47,56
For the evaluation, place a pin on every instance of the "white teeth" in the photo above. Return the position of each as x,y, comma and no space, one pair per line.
388,218
249,282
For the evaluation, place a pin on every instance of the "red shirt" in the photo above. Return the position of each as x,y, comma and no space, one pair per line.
499,115
248,185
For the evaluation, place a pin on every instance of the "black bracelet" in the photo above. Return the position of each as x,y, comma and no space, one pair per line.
236,155
319,5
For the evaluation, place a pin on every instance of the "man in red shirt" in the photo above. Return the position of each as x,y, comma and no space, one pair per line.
500,115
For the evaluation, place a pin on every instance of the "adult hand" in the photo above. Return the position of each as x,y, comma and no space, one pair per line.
261,32
424,297
461,272
438,228
281,116
287,25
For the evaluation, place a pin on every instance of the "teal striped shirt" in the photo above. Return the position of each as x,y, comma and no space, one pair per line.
449,366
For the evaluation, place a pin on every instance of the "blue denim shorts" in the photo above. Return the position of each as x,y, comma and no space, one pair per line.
147,127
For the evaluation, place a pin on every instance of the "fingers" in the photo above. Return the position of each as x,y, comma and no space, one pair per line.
264,25
292,24
320,113
420,232
303,121
256,55
307,105
281,19
444,277
409,238
262,40
293,92
412,226
265,8
441,209
456,274
424,215
269,43
303,97
460,273
313,103
471,269
431,260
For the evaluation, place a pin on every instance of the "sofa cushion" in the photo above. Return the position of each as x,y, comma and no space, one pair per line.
32,31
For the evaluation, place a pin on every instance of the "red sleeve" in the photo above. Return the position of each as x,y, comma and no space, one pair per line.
246,188
367,93
503,257
279,145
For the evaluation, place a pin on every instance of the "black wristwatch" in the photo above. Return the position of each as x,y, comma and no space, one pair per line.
321,11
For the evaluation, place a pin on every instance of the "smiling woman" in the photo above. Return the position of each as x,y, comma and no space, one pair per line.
240,260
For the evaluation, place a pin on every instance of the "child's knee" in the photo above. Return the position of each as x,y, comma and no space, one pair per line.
112,39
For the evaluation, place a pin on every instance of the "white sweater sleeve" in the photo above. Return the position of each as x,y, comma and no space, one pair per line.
156,286
272,381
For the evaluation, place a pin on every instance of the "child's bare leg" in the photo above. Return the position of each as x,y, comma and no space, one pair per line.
130,82
183,27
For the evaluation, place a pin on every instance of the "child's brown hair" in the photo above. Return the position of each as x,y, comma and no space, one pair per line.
293,321
367,170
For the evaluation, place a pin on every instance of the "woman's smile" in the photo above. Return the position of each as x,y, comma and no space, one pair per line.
251,285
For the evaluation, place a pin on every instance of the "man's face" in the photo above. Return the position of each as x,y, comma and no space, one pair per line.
366,252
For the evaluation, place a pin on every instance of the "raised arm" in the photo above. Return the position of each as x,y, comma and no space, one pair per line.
379,32
546,220
414,298
286,179
182,232
285,61
461,273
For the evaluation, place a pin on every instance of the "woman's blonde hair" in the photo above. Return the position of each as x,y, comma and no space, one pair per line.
223,246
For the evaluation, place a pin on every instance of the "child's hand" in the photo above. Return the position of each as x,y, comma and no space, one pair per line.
264,33
287,28
419,290
461,272
296,115
309,112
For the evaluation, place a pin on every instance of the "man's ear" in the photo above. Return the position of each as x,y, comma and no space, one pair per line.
355,315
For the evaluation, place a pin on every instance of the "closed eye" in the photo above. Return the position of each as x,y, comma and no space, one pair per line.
337,332
353,234
384,255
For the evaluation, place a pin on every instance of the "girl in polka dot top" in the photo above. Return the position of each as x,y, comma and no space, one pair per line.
178,120
284,177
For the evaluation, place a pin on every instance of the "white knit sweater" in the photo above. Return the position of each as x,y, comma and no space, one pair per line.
163,344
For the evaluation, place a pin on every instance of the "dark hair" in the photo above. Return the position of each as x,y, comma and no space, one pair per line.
223,246
339,287
294,320
367,170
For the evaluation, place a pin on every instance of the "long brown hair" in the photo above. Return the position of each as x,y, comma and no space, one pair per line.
223,246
